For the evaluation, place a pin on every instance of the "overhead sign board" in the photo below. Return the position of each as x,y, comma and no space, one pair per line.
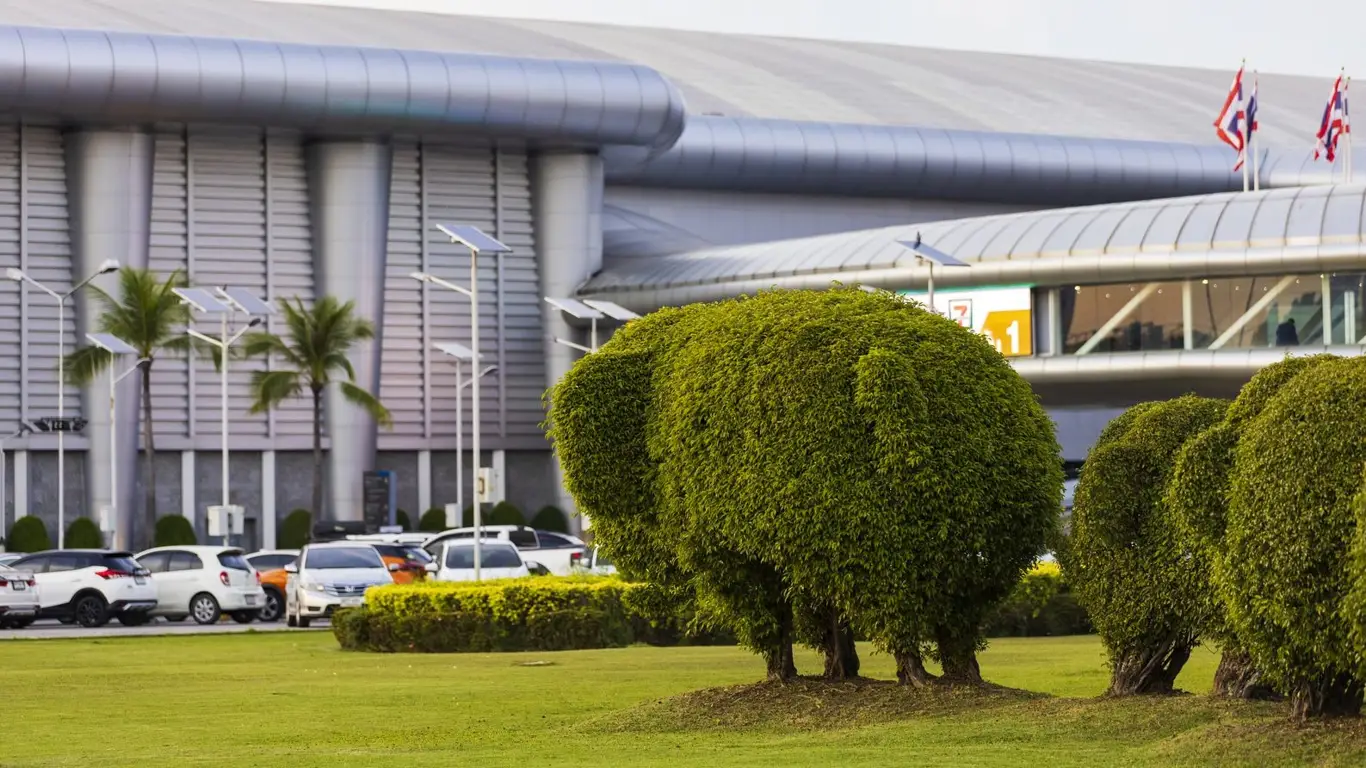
1004,314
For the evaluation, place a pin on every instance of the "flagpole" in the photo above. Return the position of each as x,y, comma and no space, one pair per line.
1242,108
1347,124
1252,142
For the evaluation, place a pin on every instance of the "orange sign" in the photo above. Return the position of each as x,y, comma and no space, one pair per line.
1010,332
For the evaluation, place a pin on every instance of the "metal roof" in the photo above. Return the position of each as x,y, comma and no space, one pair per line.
750,76
1266,232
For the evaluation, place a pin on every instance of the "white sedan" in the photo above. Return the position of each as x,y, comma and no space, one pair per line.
497,560
18,598
204,583
332,575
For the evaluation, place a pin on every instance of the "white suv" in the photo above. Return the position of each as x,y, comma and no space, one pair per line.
558,553
204,583
497,560
332,575
89,586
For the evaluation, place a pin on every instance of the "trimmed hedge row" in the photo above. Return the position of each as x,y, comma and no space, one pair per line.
539,614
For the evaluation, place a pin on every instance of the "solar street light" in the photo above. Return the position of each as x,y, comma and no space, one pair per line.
930,256
119,349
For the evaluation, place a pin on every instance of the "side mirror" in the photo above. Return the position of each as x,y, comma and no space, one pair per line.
432,567
291,568
394,567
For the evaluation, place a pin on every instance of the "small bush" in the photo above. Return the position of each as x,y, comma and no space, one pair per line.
1042,605
505,513
296,530
28,534
550,518
174,531
402,521
84,534
433,521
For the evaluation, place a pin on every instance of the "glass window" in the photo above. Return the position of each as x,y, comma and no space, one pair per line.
233,560
1348,308
1292,315
1154,324
271,562
121,562
417,554
185,561
461,556
554,541
64,562
343,557
523,538
157,562
35,564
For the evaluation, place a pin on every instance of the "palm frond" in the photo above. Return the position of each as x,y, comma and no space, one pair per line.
270,388
367,401
83,365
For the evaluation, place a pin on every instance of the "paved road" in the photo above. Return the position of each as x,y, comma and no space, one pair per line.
49,630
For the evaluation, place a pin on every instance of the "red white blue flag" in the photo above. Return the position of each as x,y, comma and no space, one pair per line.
1334,123
1231,124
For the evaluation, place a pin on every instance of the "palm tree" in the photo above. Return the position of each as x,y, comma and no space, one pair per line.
314,357
151,318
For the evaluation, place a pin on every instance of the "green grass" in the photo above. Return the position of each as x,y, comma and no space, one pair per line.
295,700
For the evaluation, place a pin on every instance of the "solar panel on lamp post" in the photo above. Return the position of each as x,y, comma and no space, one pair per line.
117,348
19,276
591,310
462,354
473,239
930,256
222,305
24,427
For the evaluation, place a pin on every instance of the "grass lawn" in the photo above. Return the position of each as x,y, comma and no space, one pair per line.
293,699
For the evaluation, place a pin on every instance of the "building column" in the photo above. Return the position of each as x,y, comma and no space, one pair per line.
20,485
268,512
187,487
109,198
566,204
424,485
349,195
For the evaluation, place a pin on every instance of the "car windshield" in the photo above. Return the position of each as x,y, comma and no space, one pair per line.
490,556
417,554
349,557
233,560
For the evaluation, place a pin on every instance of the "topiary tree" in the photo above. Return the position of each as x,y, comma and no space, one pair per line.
433,521
174,531
1197,497
28,534
550,518
505,513
296,530
402,520
1288,575
84,534
749,447
1124,561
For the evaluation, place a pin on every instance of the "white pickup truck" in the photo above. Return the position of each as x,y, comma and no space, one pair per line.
560,553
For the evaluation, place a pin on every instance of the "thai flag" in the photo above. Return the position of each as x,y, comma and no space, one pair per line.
1230,124
1334,123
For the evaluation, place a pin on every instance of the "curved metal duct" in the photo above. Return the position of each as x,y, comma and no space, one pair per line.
102,76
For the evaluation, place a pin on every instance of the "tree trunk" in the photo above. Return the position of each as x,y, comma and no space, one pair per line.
1238,678
149,461
1327,696
841,657
958,656
778,658
1150,670
910,669
317,457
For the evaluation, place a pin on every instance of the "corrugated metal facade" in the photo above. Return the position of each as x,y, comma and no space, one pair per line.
34,237
470,183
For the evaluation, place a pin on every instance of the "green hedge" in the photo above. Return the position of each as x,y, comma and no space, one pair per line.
550,518
505,513
433,520
28,534
538,614
84,534
174,531
296,530
1041,605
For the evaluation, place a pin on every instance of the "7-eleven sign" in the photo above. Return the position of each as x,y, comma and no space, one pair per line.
960,311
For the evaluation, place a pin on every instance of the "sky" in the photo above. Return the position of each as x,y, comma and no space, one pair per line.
1303,38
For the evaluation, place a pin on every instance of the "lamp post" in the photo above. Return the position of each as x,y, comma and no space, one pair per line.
591,310
476,242
222,305
930,256
24,426
18,275
118,348
462,354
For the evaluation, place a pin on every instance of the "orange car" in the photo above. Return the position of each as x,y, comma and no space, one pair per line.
411,560
270,564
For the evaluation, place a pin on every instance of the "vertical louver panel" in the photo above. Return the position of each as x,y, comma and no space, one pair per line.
290,250
404,351
523,351
227,248
167,254
11,368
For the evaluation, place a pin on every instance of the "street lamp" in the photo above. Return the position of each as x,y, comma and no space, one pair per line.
477,242
462,354
24,426
224,304
117,348
591,310
19,276
929,255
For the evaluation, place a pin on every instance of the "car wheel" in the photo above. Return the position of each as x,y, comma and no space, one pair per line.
304,621
19,623
134,618
273,608
244,617
204,609
91,611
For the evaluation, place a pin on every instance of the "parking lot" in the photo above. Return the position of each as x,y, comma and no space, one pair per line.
52,630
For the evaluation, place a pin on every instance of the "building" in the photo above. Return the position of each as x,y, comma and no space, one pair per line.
295,150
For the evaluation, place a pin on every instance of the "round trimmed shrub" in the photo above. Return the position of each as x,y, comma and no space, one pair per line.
433,520
505,513
1288,574
296,530
550,518
174,531
402,521
83,533
1123,558
28,534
